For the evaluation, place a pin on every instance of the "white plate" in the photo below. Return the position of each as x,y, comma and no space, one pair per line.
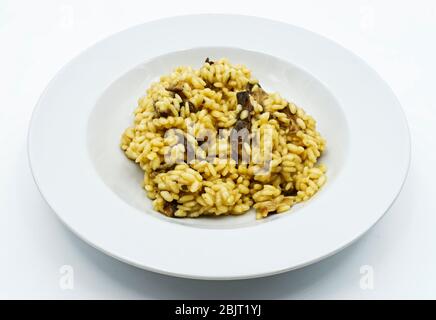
95,190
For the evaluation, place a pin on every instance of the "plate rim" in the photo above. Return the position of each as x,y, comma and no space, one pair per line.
65,66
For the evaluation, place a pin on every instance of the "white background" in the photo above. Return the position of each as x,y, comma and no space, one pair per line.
38,37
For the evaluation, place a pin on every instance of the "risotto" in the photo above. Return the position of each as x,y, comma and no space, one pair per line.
212,141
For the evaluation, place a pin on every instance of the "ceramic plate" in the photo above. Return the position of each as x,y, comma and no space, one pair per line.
95,190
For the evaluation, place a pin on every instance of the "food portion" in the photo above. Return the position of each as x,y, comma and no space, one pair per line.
212,141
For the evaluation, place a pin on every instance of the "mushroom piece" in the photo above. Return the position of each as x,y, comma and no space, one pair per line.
169,208
209,61
178,88
192,107
243,98
290,192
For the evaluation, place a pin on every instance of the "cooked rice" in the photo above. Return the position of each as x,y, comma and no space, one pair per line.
271,172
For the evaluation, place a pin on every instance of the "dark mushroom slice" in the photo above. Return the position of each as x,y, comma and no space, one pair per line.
178,88
209,61
165,167
169,208
250,86
243,98
192,107
290,192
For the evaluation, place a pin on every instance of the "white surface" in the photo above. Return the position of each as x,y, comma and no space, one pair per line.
38,39
107,209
